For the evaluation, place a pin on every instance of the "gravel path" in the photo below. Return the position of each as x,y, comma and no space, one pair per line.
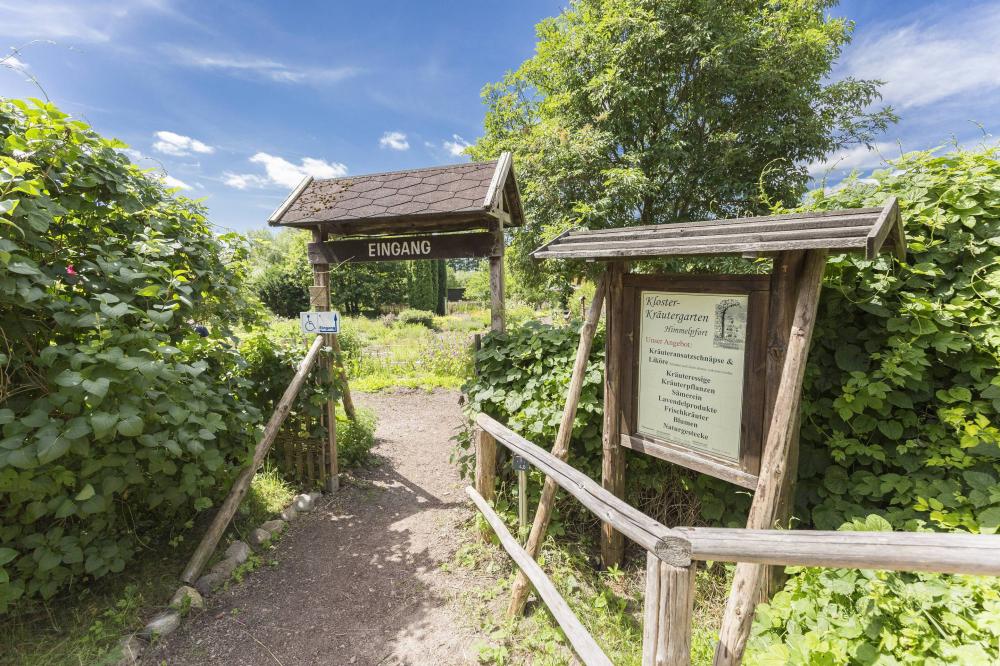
359,580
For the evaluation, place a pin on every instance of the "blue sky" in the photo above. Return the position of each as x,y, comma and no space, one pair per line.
236,101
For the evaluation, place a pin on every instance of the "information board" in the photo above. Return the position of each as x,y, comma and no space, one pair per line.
690,358
694,371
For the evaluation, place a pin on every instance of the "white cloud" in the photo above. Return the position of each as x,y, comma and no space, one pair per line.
253,66
280,172
170,181
13,62
179,145
71,20
456,146
926,62
856,157
244,181
394,140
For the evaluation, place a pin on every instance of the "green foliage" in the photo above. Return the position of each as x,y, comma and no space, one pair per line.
902,398
281,274
117,418
648,111
363,288
838,616
422,291
355,439
442,286
420,317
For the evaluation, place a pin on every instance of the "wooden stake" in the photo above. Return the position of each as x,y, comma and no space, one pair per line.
673,635
613,459
519,592
232,502
774,464
486,467
651,610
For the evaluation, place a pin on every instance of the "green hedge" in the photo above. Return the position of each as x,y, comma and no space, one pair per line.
116,417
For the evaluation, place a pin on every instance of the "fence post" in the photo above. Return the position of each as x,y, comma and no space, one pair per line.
673,638
486,467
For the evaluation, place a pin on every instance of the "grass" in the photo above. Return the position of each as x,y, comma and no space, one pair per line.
84,625
384,354
609,604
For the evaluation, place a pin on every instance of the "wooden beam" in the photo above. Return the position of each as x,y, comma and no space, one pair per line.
560,449
685,458
785,275
401,224
666,248
628,520
950,552
889,221
613,457
498,319
774,463
583,644
676,611
229,506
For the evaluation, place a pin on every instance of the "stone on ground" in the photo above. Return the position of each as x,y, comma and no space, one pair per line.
195,599
259,537
131,649
209,582
273,526
290,513
161,625
303,503
238,551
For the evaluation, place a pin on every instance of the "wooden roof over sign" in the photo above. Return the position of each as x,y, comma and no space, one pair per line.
867,230
435,198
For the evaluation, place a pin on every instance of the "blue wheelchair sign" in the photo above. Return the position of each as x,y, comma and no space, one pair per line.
320,322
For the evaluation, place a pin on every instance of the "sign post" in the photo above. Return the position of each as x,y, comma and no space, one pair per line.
521,466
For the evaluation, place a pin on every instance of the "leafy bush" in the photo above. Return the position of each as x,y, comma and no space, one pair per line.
284,290
839,616
117,417
355,439
421,317
903,390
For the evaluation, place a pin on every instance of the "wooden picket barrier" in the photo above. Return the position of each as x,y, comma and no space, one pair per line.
673,553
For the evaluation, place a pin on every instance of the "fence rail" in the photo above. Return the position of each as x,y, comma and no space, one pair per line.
669,597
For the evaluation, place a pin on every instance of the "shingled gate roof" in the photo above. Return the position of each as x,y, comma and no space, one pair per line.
866,230
467,191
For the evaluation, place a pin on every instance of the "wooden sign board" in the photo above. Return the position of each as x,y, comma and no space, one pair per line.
429,246
694,371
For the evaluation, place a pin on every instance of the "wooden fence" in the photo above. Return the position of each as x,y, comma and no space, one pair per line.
673,553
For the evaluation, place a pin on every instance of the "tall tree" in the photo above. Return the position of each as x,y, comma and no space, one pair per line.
652,111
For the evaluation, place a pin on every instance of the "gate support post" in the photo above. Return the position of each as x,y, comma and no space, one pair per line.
774,466
613,459
319,300
498,319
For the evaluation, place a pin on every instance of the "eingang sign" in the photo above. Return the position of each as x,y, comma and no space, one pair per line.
694,369
427,246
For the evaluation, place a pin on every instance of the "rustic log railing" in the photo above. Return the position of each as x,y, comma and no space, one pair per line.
674,552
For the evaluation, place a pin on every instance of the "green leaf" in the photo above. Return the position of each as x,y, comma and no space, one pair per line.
131,426
85,493
7,555
68,378
97,387
103,424
989,520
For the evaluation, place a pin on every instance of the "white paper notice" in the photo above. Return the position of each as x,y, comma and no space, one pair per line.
691,351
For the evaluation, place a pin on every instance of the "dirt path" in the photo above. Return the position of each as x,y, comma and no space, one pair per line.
359,580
